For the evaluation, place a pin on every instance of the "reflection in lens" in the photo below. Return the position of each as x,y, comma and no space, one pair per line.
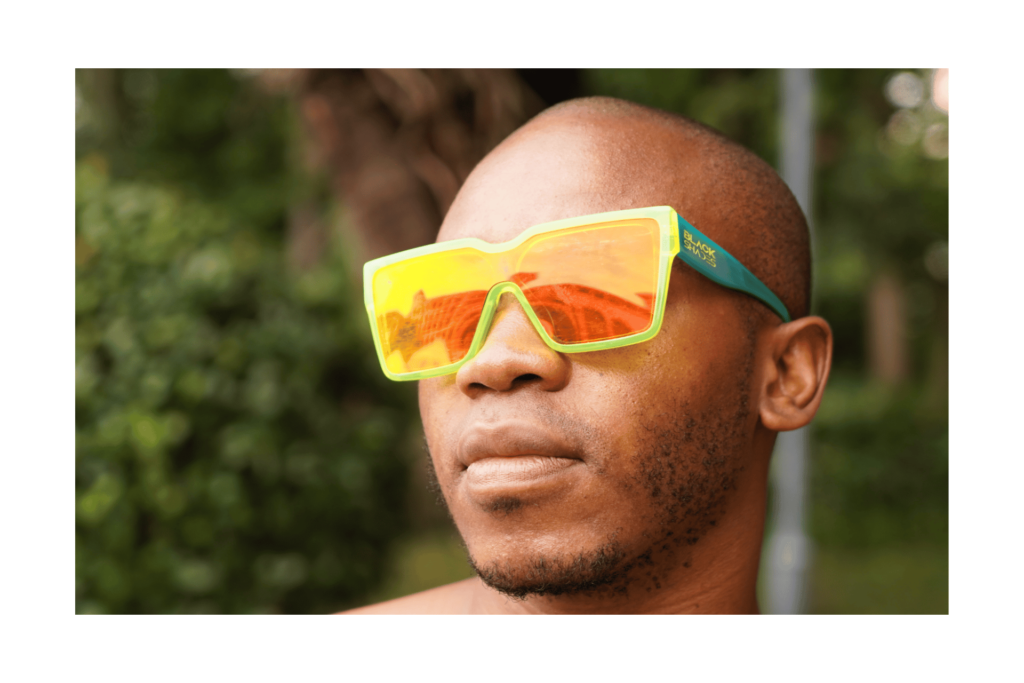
578,314
437,332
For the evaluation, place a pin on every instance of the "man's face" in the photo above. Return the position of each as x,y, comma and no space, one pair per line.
565,472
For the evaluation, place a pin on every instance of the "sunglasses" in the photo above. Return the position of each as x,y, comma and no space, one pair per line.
586,284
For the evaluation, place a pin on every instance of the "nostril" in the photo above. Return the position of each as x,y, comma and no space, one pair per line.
512,357
519,381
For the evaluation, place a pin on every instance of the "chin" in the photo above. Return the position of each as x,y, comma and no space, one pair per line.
523,575
552,540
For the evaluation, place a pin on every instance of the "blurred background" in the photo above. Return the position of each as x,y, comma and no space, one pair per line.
238,449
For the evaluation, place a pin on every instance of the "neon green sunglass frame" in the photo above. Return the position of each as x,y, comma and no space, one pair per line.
678,238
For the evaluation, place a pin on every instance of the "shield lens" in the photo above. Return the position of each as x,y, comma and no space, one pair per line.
585,284
594,284
428,307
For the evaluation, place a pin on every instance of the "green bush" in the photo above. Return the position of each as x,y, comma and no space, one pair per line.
237,447
880,467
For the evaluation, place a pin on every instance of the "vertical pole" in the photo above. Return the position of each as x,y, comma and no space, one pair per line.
788,549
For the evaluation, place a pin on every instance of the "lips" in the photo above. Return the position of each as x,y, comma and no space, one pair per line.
513,455
511,439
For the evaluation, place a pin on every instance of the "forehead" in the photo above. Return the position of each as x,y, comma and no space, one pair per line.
559,169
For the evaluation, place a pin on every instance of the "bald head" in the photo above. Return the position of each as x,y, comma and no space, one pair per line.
601,154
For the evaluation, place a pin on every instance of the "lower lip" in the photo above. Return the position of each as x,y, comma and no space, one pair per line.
516,471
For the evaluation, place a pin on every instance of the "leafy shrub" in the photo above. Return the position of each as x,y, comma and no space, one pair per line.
880,467
236,443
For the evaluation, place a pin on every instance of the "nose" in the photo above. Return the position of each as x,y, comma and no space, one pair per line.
513,355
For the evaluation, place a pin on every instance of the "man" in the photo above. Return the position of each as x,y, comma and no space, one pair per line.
629,479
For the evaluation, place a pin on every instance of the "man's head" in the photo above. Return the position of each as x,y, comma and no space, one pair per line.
624,471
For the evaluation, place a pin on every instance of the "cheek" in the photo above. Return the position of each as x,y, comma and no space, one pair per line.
434,400
617,395
633,380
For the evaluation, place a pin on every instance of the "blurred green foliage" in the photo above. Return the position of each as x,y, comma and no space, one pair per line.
237,449
880,205
909,578
880,472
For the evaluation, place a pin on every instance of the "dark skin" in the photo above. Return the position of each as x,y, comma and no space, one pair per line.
630,480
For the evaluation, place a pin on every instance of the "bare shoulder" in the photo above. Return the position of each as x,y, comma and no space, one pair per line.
453,598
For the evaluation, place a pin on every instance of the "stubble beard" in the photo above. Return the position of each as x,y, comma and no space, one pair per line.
686,466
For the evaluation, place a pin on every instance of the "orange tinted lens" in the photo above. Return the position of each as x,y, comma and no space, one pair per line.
449,320
595,284
585,284
428,307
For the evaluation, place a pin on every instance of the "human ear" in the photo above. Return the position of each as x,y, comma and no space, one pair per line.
796,370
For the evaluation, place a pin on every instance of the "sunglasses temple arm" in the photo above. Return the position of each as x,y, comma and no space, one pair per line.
718,265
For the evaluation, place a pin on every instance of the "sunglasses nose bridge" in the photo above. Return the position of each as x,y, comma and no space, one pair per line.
508,349
494,304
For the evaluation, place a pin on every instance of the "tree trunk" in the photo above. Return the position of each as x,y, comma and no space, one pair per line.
887,329
399,143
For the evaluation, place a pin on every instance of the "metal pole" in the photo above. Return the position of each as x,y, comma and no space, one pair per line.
788,549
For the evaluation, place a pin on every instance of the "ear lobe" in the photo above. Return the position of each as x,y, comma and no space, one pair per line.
794,381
